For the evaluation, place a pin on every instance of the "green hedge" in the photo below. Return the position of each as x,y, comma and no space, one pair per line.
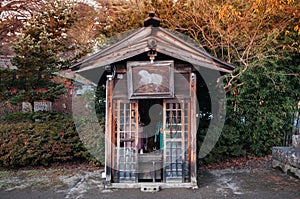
34,143
231,144
33,116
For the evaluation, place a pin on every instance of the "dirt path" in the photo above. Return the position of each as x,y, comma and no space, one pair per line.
78,183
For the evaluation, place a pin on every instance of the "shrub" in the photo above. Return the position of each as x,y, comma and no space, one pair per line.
33,116
229,145
32,144
17,117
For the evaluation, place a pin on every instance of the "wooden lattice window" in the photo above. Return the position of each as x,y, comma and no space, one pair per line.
176,136
125,151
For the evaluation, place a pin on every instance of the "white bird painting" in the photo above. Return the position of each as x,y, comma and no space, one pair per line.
150,78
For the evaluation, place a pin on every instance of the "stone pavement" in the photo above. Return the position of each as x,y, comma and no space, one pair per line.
78,183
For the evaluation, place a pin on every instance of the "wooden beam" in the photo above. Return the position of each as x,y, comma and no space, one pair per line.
189,139
108,131
136,139
118,137
183,138
193,131
113,141
165,138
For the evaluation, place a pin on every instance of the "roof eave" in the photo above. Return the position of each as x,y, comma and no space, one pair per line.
136,43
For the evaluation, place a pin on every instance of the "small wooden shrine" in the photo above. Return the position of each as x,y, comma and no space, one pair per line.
151,106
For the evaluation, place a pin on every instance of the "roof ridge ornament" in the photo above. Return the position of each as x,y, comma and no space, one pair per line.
152,20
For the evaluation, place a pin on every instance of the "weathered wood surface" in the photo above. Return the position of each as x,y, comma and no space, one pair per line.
108,131
167,43
162,185
193,141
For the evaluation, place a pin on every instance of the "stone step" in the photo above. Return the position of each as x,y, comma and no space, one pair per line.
150,188
287,158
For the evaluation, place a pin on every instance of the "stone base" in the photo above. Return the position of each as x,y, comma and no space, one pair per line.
296,141
150,188
287,158
151,185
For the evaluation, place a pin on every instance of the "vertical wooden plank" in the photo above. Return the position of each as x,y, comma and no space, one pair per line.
113,141
176,136
125,132
108,131
132,137
118,106
193,132
131,108
136,139
183,139
164,136
171,136
189,139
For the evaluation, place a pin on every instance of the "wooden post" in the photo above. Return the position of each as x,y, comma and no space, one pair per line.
165,138
108,129
183,139
117,167
193,131
189,139
136,140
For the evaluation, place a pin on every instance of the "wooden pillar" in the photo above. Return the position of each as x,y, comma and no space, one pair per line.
182,102
108,129
136,140
164,139
193,143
